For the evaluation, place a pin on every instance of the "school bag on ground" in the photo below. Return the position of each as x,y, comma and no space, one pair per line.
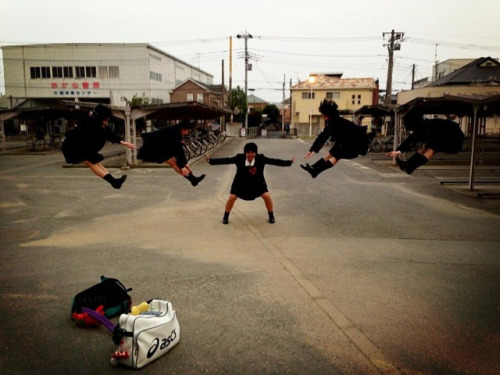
143,338
110,293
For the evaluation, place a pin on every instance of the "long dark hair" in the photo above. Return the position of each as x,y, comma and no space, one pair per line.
329,108
100,113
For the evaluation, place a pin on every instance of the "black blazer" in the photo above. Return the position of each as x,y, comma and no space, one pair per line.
249,182
350,140
161,145
86,140
441,135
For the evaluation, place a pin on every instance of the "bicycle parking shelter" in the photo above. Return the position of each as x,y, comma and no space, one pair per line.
36,109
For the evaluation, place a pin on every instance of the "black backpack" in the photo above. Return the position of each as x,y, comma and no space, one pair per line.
109,293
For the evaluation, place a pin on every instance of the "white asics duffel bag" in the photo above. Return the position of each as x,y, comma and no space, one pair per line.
147,336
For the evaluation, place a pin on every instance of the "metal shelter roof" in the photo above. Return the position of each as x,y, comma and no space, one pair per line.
173,111
457,104
374,111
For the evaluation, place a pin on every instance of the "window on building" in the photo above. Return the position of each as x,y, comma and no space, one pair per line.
308,95
189,97
333,95
45,70
68,71
79,72
155,76
359,99
35,72
353,101
114,72
57,72
90,72
199,98
156,101
154,57
103,72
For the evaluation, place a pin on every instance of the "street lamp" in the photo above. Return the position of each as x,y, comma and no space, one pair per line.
311,82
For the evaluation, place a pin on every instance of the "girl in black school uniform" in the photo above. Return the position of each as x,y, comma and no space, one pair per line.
83,143
434,135
165,146
249,182
349,140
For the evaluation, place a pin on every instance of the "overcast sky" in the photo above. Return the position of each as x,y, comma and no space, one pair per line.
291,38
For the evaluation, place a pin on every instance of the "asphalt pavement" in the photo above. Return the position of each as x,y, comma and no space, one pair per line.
366,270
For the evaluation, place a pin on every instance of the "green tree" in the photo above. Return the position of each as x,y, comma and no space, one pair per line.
237,101
272,112
136,102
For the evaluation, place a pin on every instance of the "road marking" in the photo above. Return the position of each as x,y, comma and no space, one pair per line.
347,327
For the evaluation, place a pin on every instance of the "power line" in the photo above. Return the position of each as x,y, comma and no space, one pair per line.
452,44
319,40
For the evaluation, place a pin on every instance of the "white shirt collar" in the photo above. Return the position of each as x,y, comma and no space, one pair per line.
249,164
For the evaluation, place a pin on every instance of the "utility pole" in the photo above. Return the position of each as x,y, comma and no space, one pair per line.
222,122
291,102
248,67
394,44
413,77
231,73
284,110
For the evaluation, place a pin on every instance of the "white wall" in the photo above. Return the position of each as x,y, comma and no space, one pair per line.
135,61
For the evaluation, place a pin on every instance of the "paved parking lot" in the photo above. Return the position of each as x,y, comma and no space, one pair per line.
366,271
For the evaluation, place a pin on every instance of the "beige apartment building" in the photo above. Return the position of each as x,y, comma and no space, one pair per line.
349,93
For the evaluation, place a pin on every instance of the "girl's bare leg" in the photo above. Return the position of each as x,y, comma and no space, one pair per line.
97,168
429,153
173,163
230,202
268,201
331,159
229,206
269,205
103,173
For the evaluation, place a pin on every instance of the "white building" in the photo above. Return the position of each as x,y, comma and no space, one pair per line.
94,72
443,68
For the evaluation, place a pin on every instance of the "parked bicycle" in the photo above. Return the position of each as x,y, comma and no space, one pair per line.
389,144
187,151
221,136
201,143
375,145
41,142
